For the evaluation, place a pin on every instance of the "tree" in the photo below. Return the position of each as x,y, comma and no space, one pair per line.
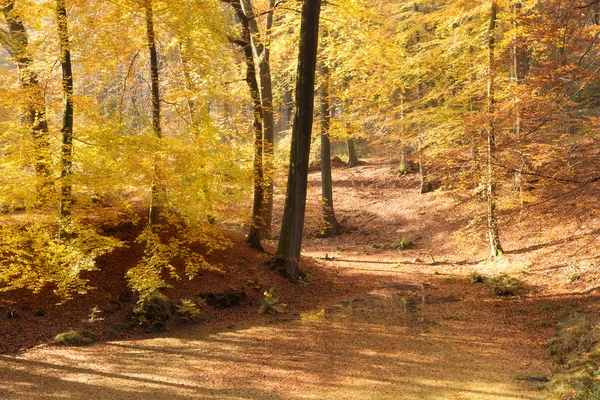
290,240
66,197
492,217
330,225
254,236
262,57
17,44
155,195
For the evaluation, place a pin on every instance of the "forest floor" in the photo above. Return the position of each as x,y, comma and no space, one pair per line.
375,322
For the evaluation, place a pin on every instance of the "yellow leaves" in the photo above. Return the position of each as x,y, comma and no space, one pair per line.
161,254
31,256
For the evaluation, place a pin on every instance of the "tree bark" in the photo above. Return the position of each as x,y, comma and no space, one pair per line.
156,126
290,241
18,47
492,218
330,225
66,195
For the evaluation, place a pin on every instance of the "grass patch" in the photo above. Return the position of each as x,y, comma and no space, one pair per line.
505,285
74,338
501,284
404,242
476,277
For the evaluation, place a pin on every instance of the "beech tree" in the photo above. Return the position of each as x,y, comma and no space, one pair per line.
495,247
254,236
330,225
66,198
17,44
290,240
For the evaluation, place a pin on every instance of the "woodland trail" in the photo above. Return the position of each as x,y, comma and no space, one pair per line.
421,331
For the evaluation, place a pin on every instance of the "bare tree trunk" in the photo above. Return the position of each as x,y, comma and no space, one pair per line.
66,196
330,225
18,47
156,126
492,220
290,241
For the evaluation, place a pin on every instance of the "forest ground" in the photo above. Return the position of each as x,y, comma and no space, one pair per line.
375,323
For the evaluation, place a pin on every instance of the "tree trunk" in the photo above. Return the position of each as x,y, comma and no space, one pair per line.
66,196
287,105
520,64
492,220
425,185
261,51
155,195
268,124
330,225
36,104
254,236
290,241
352,157
189,84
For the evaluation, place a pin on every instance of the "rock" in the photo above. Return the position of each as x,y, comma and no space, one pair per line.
417,260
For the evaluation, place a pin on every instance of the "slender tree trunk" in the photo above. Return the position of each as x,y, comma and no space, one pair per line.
36,104
519,61
261,51
352,157
290,241
287,105
66,196
492,220
330,225
189,84
254,236
155,195
268,124
425,185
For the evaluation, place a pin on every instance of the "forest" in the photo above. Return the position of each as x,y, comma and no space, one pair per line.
299,199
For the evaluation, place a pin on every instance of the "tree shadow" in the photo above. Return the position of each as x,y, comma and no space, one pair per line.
401,340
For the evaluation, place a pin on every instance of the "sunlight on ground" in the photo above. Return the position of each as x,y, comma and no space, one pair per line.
366,349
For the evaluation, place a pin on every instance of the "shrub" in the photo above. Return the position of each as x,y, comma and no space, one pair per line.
188,310
73,338
505,285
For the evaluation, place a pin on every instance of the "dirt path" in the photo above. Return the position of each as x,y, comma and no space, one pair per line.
422,332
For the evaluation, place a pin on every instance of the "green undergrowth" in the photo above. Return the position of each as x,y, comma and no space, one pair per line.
74,338
502,284
576,346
